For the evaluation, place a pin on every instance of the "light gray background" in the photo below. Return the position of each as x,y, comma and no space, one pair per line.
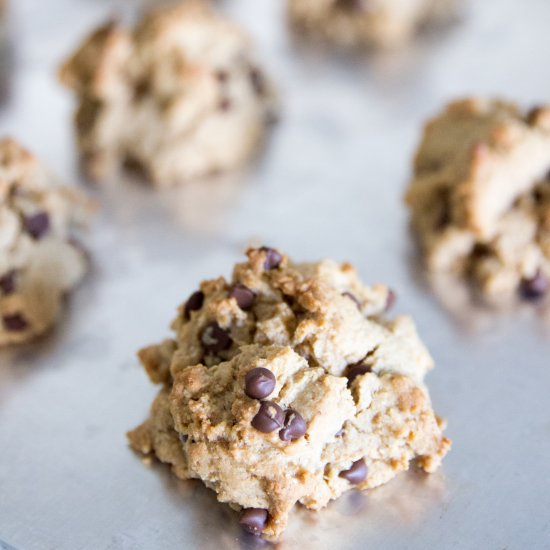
329,185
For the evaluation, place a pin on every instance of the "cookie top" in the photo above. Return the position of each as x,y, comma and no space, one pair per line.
286,385
321,310
480,156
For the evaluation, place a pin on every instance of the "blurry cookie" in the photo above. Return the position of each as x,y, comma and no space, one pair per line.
40,262
378,23
177,97
287,384
480,196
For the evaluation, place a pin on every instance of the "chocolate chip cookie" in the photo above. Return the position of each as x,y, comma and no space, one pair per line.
379,23
178,97
480,196
40,261
288,384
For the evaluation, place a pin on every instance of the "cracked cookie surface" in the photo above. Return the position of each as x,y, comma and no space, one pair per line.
287,384
480,195
378,23
177,97
40,262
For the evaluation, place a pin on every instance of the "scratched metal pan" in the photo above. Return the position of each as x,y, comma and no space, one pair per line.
329,184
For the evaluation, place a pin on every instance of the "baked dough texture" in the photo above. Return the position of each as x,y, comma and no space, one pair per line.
348,382
370,23
177,97
40,260
480,195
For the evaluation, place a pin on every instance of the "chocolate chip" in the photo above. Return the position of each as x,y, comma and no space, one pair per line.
356,370
353,298
142,89
214,338
480,251
222,76
15,322
225,104
37,224
258,81
339,433
272,258
294,426
390,300
357,473
243,295
183,438
269,418
259,383
7,282
534,288
253,520
194,303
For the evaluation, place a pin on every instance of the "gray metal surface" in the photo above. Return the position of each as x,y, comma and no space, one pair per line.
329,184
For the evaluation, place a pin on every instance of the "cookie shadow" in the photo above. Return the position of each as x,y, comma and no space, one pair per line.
405,501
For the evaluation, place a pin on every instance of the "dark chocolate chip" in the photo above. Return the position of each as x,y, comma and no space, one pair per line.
243,295
390,300
37,225
270,417
142,89
214,338
194,302
357,473
222,76
294,426
353,298
272,257
481,250
534,288
259,383
15,322
225,104
258,81
7,282
356,370
183,438
253,520
339,433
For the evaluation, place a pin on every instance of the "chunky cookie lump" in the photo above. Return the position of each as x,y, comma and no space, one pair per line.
178,97
379,23
480,196
40,262
287,385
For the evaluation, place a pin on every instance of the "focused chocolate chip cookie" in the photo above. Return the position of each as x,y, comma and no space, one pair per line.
178,97
287,384
379,23
39,259
480,196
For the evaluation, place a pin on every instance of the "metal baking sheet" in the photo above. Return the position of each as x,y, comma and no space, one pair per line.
329,184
